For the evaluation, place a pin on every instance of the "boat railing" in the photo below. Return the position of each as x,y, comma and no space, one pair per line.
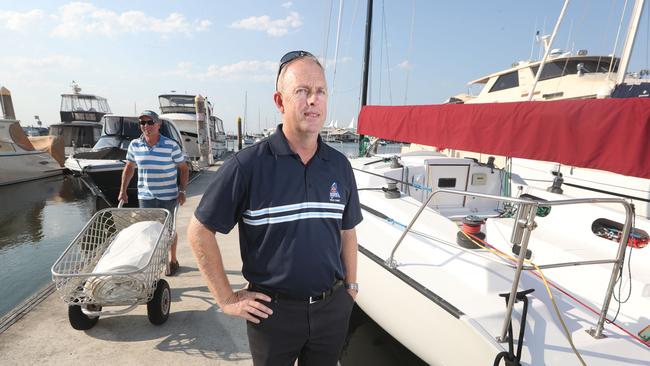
524,224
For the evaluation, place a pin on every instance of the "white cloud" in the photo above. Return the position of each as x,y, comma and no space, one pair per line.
16,21
287,5
45,62
252,70
403,65
76,19
274,28
27,69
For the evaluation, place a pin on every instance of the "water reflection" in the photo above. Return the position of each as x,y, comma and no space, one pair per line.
38,219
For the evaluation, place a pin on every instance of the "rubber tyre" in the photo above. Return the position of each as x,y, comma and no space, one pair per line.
158,307
79,320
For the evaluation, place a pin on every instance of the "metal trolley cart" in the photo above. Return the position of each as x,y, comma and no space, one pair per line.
88,292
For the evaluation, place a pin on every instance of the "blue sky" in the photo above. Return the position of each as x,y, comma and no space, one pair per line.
132,51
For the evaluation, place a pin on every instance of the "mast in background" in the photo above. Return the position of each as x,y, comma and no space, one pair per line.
366,63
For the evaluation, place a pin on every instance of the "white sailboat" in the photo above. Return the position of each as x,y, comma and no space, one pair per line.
464,271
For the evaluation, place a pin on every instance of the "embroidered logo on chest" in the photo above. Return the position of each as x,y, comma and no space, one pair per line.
334,193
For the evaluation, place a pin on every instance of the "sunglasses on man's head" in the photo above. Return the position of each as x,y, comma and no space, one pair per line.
147,122
288,57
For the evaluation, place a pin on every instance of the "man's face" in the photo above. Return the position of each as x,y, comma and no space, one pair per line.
303,97
149,127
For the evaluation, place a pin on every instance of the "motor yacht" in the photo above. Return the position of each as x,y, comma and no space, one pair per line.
80,124
181,110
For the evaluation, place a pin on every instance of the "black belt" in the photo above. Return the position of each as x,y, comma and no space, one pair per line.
275,296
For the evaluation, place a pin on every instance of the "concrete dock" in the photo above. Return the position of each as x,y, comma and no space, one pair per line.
197,332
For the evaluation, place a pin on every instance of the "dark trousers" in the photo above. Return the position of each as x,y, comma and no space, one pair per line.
312,333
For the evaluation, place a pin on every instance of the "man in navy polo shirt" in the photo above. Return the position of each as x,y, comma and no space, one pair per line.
295,202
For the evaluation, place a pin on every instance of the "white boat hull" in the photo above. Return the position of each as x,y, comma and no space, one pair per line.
443,302
26,166
428,326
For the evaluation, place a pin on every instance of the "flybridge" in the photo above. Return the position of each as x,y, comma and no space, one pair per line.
604,134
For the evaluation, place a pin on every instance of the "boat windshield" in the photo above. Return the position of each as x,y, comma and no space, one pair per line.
177,104
560,68
106,142
83,136
84,103
83,107
124,126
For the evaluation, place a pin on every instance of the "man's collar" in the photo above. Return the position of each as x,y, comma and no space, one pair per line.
280,146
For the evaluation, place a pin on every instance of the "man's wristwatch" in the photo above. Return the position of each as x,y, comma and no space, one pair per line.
352,286
183,192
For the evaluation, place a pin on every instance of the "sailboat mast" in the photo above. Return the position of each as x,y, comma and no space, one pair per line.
637,11
366,63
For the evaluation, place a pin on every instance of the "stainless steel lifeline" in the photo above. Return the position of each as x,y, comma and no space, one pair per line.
524,225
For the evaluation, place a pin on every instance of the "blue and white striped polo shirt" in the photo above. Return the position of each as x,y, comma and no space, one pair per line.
156,167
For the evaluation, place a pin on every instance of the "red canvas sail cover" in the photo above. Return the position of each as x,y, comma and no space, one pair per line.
605,134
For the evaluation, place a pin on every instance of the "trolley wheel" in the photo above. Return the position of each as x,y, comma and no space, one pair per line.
79,320
158,307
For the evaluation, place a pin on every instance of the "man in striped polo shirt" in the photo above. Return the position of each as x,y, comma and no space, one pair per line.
158,159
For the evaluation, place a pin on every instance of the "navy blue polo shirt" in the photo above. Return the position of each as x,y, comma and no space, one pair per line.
290,215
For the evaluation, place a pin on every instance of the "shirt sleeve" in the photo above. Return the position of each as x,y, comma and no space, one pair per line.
129,152
352,214
223,202
177,153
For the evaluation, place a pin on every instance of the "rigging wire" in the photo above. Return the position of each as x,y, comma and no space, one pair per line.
327,35
385,25
647,34
408,54
618,32
381,50
336,61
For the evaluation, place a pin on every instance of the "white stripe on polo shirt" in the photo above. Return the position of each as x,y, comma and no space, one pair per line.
284,213
295,217
294,207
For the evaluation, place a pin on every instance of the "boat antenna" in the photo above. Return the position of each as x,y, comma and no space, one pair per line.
535,40
76,89
618,33
366,61
548,49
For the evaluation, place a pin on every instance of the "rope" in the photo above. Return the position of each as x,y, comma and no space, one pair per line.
492,249
496,251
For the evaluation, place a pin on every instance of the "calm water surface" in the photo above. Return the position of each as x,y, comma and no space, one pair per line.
38,220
